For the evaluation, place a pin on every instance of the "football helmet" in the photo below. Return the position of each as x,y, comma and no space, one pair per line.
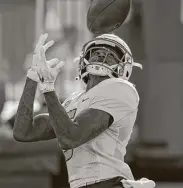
98,54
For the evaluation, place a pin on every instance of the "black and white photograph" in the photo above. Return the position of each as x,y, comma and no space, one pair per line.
91,93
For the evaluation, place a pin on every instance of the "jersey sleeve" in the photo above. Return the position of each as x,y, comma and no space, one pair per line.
117,99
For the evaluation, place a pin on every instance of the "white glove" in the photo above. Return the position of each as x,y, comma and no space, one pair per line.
142,183
46,70
42,71
32,72
47,83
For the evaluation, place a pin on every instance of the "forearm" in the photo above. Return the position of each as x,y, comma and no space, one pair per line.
72,134
62,124
24,117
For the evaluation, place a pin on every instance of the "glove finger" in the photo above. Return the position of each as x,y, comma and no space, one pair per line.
37,51
41,41
34,58
141,183
42,58
126,184
151,183
48,45
132,182
38,44
144,179
52,63
39,58
59,66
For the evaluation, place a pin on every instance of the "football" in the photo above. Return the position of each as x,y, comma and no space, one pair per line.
104,16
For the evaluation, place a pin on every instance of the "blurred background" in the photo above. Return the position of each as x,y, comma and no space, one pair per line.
154,32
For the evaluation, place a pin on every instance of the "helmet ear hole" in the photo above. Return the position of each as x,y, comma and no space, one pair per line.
127,74
127,71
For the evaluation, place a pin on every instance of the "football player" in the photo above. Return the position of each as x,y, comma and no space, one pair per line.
95,123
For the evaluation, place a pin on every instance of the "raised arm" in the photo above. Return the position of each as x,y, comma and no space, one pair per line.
87,125
28,128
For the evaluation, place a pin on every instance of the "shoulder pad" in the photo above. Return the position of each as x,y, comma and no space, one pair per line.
113,81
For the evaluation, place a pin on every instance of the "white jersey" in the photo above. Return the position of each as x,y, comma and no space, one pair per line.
103,157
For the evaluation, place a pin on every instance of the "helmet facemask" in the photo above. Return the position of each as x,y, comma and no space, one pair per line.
103,61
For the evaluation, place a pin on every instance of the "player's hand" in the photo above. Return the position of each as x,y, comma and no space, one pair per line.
32,72
142,183
46,70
